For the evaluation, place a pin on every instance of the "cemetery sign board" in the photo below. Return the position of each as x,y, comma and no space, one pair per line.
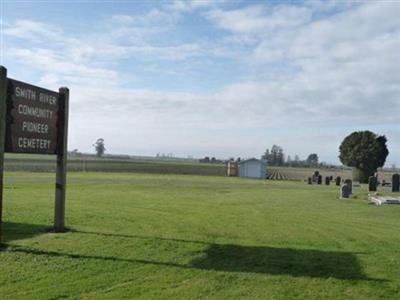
34,120
31,122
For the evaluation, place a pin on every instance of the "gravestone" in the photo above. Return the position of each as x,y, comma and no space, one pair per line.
338,180
331,178
344,191
327,180
315,176
349,183
395,182
319,179
309,180
372,183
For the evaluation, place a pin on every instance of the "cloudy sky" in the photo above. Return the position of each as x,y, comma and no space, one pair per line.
218,78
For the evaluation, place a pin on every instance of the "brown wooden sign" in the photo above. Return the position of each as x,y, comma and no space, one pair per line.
32,119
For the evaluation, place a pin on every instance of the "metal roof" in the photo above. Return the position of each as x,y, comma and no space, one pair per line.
253,159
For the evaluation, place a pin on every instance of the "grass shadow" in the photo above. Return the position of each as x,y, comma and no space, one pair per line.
268,260
280,261
18,231
238,258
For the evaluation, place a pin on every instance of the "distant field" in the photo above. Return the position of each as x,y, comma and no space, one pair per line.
40,163
152,236
43,163
288,173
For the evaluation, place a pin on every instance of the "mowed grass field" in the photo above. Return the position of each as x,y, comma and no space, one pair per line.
189,237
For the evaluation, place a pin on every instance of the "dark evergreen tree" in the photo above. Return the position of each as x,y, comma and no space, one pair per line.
312,160
365,151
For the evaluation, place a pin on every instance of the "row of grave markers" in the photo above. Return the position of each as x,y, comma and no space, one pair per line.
373,183
347,188
328,179
34,120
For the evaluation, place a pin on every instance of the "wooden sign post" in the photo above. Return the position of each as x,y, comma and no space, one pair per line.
34,120
61,176
3,109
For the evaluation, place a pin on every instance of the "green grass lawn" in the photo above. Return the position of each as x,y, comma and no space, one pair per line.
175,236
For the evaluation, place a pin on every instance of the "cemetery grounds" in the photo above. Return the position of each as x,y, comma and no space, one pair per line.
141,235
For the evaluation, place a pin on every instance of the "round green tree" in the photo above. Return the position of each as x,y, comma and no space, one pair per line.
99,147
365,151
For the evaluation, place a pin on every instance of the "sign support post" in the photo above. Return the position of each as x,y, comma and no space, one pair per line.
34,120
3,110
61,175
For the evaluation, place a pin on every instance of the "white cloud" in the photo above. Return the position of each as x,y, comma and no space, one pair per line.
258,19
152,17
31,30
183,6
337,69
302,71
59,65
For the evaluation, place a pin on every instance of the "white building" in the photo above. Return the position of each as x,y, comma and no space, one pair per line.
253,168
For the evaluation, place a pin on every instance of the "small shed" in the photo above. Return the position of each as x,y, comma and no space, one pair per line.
253,168
232,168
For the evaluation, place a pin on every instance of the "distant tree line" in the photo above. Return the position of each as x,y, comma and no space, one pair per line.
211,160
163,155
276,157
214,160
